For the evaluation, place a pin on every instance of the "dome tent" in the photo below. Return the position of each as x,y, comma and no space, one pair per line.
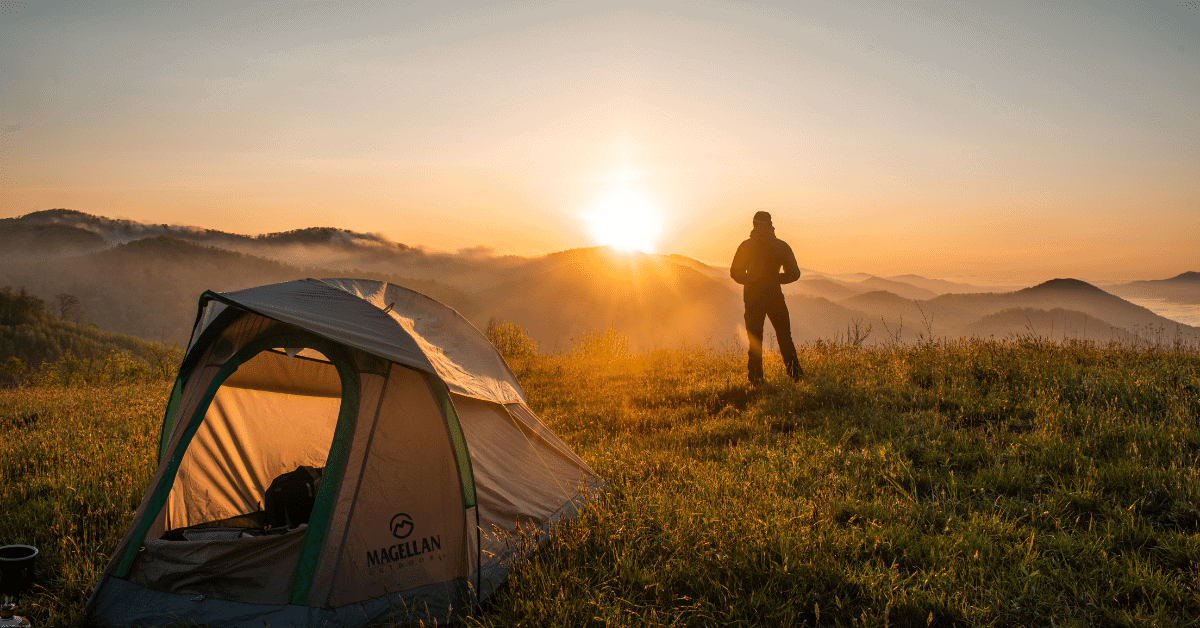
421,463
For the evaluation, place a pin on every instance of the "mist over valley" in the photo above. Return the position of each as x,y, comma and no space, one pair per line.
145,279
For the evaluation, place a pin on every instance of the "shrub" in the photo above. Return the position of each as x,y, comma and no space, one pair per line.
13,371
510,339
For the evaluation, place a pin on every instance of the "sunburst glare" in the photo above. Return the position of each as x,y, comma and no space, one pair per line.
627,219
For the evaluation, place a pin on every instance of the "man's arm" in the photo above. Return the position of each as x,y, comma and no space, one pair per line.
739,270
791,270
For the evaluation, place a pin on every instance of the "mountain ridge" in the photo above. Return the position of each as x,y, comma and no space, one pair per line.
1190,276
148,286
1183,288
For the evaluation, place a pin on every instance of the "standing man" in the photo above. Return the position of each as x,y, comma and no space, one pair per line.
757,266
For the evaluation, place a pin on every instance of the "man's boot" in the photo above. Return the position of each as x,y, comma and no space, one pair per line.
793,369
755,370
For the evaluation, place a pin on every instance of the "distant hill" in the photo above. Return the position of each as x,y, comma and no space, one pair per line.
821,287
1054,286
21,241
1080,310
1067,294
908,286
1056,324
1190,277
817,318
905,290
1182,288
901,319
149,288
144,280
652,299
936,286
313,248
119,231
882,301
719,274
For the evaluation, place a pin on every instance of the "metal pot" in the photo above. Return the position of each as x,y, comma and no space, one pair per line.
16,568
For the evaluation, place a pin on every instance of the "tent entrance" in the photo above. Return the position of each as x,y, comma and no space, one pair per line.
282,406
270,424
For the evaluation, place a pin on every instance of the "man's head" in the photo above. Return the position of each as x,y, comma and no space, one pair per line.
762,219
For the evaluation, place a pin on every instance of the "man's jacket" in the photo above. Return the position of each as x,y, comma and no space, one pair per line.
762,264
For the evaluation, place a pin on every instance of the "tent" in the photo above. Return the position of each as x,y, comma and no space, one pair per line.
336,452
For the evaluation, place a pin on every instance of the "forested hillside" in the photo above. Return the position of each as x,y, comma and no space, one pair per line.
36,343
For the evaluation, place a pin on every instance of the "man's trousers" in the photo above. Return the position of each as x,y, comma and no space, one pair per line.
774,307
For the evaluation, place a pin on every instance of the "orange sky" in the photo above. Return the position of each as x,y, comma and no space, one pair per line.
948,139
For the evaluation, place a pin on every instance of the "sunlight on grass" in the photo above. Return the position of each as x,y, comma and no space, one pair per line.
943,484
971,483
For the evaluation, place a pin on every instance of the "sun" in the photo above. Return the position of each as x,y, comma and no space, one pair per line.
625,218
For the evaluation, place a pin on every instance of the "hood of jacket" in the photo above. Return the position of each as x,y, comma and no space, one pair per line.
762,232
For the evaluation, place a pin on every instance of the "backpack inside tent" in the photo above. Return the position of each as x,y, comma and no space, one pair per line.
337,452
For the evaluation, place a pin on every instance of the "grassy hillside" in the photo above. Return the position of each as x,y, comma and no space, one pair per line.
973,483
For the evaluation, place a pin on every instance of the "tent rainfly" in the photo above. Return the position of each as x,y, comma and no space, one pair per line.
336,452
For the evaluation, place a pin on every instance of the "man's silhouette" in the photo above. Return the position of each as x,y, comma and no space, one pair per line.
757,266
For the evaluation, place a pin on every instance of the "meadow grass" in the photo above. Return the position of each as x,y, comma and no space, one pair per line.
966,483
950,483
74,462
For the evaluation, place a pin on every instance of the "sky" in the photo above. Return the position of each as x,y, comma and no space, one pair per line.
1014,141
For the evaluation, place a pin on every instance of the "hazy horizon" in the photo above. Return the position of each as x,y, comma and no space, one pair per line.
316,258
958,140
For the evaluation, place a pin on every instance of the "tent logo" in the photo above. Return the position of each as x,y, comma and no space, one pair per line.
402,526
408,552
